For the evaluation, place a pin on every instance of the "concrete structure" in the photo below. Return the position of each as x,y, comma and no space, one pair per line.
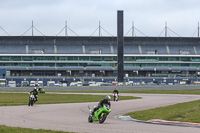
120,46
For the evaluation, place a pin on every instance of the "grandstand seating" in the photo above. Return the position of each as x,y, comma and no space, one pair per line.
198,49
176,49
97,48
46,48
12,48
114,48
131,49
69,49
158,49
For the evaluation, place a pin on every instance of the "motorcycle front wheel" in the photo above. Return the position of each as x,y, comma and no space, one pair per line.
31,102
102,118
90,119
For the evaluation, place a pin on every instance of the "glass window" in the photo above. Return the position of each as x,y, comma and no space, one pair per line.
76,58
129,59
163,58
61,64
38,64
5,58
83,64
128,64
185,58
15,58
27,58
185,65
84,58
173,58
49,64
62,58
70,58
174,65
140,58
95,58
38,58
115,58
49,58
25,64
195,59
107,58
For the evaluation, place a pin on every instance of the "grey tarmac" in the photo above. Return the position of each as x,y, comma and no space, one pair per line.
72,117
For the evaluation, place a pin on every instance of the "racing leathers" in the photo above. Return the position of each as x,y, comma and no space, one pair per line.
35,93
116,91
101,103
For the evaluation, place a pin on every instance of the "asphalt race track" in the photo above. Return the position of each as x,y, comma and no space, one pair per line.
73,117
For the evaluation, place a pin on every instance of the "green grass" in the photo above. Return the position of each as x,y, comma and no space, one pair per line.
184,112
192,91
10,99
195,92
6,129
189,91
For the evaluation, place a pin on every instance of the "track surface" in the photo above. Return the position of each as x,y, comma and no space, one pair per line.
73,117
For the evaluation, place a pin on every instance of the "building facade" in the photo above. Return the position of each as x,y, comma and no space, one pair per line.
97,56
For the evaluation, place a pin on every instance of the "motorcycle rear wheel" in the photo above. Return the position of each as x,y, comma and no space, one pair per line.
102,118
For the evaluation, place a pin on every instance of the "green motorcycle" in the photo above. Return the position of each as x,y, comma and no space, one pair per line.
99,115
40,90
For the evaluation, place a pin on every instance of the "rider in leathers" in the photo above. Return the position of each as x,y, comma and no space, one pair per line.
35,92
102,102
116,91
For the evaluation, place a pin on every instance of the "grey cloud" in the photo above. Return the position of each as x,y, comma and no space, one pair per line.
83,16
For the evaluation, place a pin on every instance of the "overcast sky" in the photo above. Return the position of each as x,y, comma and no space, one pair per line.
83,16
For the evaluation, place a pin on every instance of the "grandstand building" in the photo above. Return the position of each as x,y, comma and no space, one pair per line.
69,56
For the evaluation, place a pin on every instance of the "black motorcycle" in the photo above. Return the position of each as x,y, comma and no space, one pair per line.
32,100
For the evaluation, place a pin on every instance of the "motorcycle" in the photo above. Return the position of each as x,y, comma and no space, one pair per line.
32,100
40,90
115,96
99,115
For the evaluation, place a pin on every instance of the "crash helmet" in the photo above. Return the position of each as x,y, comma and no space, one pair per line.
108,98
35,88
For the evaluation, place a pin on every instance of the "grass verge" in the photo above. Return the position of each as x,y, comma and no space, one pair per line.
6,129
184,112
191,91
10,99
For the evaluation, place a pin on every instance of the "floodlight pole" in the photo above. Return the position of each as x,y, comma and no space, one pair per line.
32,27
99,28
165,29
65,28
120,47
198,29
132,29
